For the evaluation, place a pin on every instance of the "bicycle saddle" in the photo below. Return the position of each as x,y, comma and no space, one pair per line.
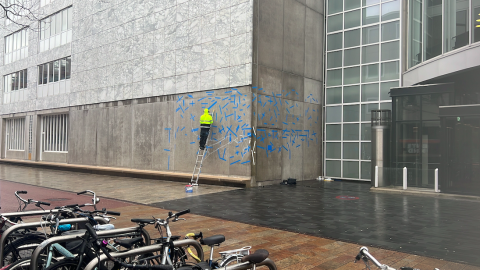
257,257
143,220
128,242
213,240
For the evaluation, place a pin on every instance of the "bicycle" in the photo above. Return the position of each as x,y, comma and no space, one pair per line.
252,261
366,257
227,257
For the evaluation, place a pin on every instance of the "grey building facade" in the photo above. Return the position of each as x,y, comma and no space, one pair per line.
123,84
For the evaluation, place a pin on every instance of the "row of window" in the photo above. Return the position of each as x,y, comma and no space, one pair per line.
16,46
54,132
368,15
353,113
51,72
353,94
55,71
365,74
437,27
335,6
15,81
364,36
55,30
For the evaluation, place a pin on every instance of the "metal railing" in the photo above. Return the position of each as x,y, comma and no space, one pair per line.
15,132
55,133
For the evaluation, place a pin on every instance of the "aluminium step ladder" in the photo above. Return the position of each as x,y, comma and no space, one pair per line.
198,163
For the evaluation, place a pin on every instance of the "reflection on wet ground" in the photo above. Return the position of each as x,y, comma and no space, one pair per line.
442,228
125,188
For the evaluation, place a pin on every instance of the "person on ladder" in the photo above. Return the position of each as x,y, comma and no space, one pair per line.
205,122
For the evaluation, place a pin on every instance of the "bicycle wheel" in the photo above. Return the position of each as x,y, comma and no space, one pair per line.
66,264
21,248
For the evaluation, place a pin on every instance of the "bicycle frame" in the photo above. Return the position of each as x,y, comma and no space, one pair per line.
110,233
9,231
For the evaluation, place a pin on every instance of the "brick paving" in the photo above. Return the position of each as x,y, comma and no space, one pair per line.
288,249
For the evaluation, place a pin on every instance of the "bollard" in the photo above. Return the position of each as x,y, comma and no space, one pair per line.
436,180
404,178
376,176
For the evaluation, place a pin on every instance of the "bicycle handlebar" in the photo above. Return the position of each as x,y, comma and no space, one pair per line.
113,213
82,192
21,192
176,215
40,202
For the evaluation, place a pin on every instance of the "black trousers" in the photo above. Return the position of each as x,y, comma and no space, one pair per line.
204,135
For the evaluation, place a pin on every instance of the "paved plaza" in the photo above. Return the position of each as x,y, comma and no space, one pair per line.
313,225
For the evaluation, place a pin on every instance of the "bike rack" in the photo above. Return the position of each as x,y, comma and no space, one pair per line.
143,250
31,225
109,233
29,213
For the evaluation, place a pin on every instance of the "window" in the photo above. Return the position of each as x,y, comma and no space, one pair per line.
18,9
55,133
16,46
56,30
15,81
15,134
54,71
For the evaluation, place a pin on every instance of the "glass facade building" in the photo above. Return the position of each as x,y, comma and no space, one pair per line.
363,60
437,27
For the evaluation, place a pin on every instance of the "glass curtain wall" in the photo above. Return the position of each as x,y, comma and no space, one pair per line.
363,63
440,26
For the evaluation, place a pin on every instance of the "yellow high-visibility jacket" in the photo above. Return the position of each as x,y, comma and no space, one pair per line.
206,119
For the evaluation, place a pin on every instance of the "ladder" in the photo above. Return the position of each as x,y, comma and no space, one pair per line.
198,164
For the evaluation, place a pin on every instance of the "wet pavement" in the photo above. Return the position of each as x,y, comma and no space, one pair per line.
442,228
124,188
304,226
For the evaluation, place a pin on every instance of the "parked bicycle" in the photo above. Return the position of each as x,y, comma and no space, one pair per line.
366,257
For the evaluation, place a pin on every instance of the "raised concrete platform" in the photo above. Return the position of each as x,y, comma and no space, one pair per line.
423,192
209,179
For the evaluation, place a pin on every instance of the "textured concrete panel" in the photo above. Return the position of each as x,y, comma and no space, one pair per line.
313,91
293,87
316,5
124,114
312,146
102,137
293,137
142,136
75,140
15,154
269,35
54,157
269,158
294,39
314,45
270,80
163,130
114,138
90,134
269,111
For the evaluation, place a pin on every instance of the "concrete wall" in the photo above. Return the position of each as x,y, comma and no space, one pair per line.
162,133
288,89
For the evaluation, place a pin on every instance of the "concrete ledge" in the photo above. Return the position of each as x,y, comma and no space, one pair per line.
210,179
423,192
